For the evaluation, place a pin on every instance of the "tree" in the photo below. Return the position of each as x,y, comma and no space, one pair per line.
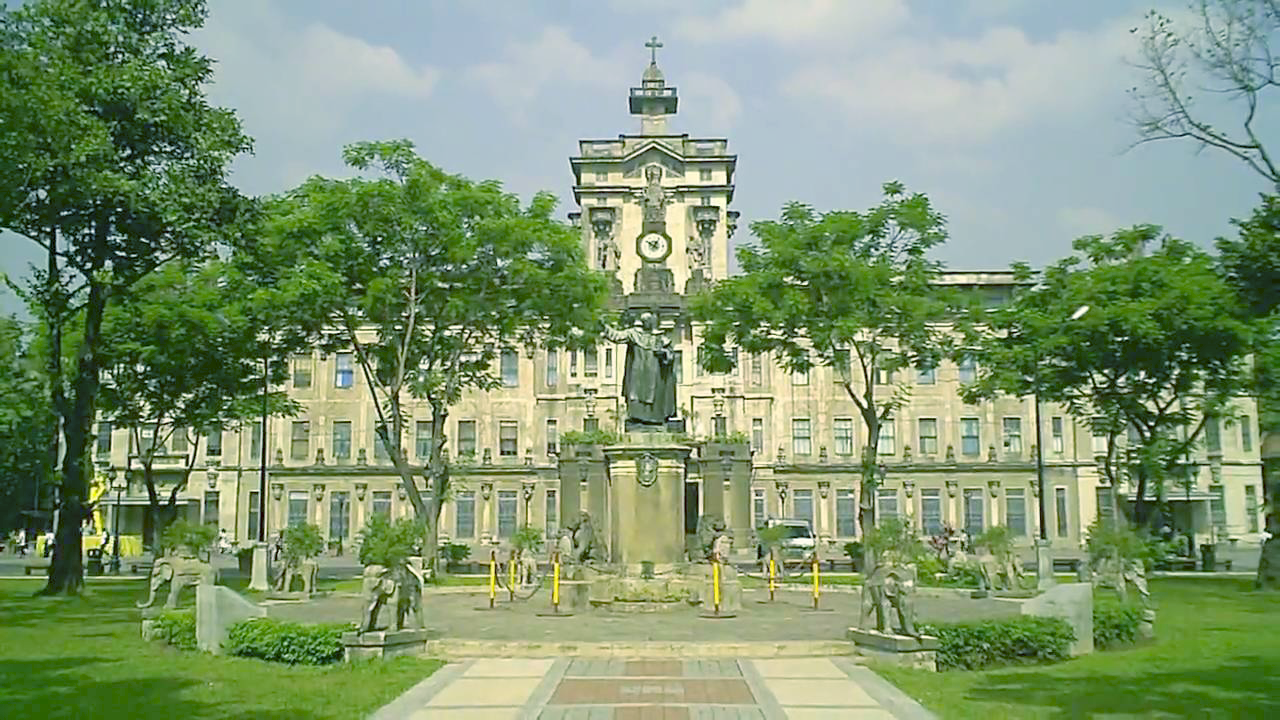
1223,52
26,423
428,278
1158,352
114,162
854,291
181,357
1251,265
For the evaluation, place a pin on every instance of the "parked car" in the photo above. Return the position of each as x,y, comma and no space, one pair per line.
798,544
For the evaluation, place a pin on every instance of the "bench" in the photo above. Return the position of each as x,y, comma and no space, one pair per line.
1176,563
1067,565
34,565
140,568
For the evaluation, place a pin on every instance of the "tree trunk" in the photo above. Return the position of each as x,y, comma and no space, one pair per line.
1269,562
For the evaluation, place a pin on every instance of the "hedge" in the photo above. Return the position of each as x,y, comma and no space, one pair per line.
1016,641
176,627
287,642
1115,624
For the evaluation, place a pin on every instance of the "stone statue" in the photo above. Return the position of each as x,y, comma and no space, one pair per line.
648,381
303,569
654,199
710,529
586,547
996,573
891,588
179,572
381,584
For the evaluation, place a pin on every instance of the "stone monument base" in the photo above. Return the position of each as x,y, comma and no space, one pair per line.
920,653
384,643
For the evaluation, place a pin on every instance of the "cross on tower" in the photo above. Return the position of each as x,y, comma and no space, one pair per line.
653,46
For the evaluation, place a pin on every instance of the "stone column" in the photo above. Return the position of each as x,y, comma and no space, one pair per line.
647,504
740,502
570,490
597,499
713,474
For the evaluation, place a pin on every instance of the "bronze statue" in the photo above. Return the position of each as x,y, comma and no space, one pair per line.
891,588
648,380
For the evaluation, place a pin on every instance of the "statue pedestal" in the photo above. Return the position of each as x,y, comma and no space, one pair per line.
646,501
921,652
1044,565
384,643
261,579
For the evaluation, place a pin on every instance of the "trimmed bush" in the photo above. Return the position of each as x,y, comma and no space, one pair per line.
1024,640
177,627
1115,624
286,642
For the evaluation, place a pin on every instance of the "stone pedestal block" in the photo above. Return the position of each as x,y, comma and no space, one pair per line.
1044,565
575,588
261,580
217,609
921,652
647,502
1072,602
384,643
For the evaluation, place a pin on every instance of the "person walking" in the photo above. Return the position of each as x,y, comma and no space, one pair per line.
21,546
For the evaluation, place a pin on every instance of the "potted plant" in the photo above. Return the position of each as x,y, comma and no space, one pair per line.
244,558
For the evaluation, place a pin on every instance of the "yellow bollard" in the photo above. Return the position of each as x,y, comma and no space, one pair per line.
816,591
493,578
715,583
773,570
511,577
555,582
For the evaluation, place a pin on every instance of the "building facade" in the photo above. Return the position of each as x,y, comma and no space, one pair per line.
792,442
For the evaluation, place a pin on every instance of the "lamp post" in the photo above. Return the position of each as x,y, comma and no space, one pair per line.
118,484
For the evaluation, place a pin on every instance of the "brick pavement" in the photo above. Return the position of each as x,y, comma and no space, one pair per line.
648,689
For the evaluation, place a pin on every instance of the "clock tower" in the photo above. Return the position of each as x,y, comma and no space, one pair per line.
654,206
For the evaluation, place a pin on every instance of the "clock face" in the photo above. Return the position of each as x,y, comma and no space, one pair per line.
653,247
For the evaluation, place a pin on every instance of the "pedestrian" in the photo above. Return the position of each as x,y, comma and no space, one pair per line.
48,543
21,546
106,540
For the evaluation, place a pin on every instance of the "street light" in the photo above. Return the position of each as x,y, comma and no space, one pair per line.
117,483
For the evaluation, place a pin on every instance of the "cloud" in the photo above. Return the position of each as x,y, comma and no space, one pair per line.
552,57
710,102
1088,220
798,23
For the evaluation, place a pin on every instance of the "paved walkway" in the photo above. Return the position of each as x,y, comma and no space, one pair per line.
634,689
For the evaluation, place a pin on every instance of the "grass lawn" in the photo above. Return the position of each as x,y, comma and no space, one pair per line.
83,658
1217,656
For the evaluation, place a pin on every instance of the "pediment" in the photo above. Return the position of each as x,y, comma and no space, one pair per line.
653,153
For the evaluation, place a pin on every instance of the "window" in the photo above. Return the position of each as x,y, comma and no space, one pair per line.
1106,508
800,377
178,438
255,441
974,513
928,436
297,507
209,513
802,507
300,440
1246,434
382,503
697,362
573,363
801,439
251,531
343,370
590,425
1060,507
602,177
1099,436
551,515
380,453
841,365
466,438
1218,509
887,444
301,366
757,369
677,364
508,438
931,511
720,426
104,438
553,368
1251,507
1015,511
1012,432
422,439
970,439
341,439
213,443
608,362
758,511
1213,435
590,362
146,440
844,436
704,175
1055,434
968,370
464,521
886,504
926,376
846,514
882,376
339,515
510,366
506,513
757,435
553,436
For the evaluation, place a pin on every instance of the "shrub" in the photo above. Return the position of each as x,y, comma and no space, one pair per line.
454,553
1116,539
388,544
527,538
894,539
853,549
302,542
176,627
599,436
286,642
1016,641
195,537
1115,624
997,540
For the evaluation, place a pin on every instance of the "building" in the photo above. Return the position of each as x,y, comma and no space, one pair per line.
791,441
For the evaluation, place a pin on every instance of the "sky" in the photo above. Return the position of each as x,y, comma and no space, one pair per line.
1011,115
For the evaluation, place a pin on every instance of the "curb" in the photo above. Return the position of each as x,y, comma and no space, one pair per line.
454,649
